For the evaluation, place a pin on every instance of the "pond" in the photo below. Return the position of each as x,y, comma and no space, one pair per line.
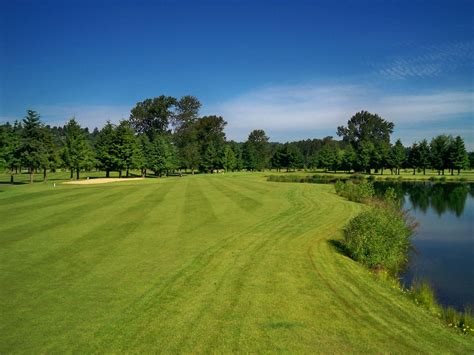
444,242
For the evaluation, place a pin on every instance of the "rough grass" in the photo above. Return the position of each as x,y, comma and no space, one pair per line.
220,263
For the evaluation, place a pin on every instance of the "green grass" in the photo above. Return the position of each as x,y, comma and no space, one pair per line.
218,263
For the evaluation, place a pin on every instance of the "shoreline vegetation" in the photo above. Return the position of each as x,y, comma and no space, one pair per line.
379,238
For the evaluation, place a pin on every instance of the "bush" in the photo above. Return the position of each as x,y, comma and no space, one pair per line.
424,295
360,192
380,238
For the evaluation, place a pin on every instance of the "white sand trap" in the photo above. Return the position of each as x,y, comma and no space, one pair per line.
101,181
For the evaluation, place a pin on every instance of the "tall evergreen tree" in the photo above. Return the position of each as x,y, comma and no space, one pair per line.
211,137
9,149
439,147
229,161
457,155
277,160
32,151
125,148
210,159
52,160
259,142
162,155
104,149
414,157
398,156
249,156
76,151
424,155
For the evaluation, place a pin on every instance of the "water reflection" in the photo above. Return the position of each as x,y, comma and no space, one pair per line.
441,197
444,243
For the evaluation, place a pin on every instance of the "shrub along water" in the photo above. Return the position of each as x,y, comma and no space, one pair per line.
315,179
357,192
380,238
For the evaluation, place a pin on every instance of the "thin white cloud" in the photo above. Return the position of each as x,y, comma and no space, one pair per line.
429,61
286,111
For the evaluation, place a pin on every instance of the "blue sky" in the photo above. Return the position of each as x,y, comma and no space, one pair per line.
297,69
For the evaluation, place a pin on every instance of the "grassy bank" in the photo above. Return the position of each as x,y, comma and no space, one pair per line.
214,263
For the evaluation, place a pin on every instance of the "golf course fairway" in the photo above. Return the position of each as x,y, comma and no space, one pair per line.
206,263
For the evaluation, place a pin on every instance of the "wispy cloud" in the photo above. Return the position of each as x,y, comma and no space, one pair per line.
429,61
304,111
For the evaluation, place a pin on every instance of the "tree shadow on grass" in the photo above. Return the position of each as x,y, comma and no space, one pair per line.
339,246
15,183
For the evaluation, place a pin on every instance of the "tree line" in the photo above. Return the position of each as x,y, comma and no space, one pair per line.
165,135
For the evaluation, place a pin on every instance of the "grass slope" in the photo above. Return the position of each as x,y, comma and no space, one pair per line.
201,263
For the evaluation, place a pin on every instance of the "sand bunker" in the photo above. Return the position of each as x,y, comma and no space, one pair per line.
100,181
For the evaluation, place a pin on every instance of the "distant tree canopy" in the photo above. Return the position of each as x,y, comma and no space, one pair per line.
153,116
369,135
165,134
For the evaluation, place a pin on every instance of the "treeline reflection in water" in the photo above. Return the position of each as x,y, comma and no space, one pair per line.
440,197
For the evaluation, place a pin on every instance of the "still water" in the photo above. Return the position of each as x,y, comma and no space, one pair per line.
444,242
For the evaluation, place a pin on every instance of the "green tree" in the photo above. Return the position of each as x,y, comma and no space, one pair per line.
365,127
187,111
277,160
249,156
292,157
439,147
125,148
162,156
414,157
260,152
32,151
458,157
52,159
210,132
471,160
364,156
349,158
398,156
10,149
423,155
229,161
104,148
144,156
185,134
191,156
76,151
210,159
153,116
237,149
329,157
